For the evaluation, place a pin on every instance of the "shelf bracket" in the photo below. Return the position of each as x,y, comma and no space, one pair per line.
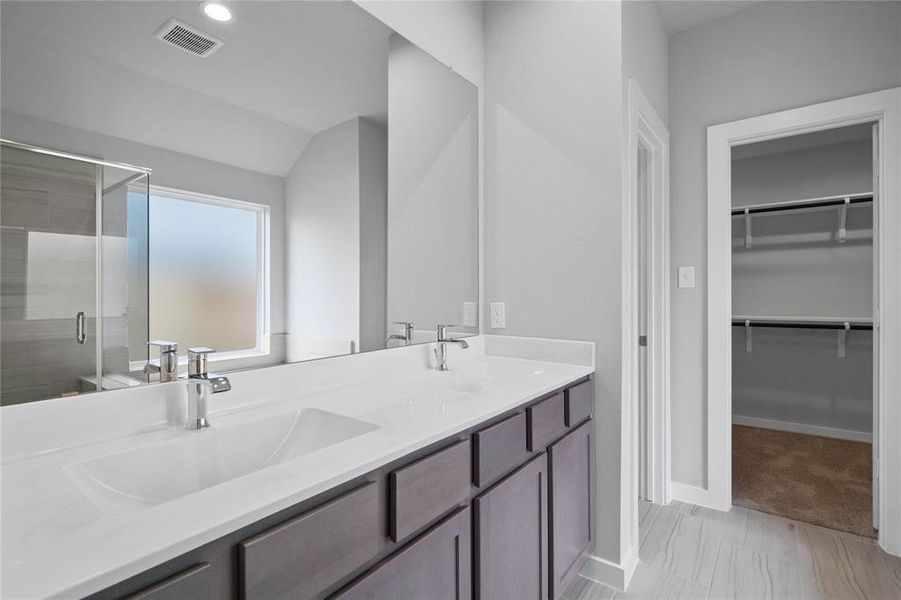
842,338
843,221
747,228
749,345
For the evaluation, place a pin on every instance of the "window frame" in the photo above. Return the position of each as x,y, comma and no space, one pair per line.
262,347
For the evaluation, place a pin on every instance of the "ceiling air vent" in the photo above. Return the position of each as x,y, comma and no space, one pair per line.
188,38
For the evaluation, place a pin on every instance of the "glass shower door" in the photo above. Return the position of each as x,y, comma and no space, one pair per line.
48,276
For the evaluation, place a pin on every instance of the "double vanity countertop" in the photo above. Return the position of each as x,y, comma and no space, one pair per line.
87,505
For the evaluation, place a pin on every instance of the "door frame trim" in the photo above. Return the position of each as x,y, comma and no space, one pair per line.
645,127
884,108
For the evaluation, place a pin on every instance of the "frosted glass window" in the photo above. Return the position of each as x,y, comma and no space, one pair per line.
205,270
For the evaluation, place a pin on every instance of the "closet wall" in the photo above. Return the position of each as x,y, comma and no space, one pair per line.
796,267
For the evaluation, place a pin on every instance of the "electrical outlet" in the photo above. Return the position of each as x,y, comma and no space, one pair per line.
686,277
498,321
470,314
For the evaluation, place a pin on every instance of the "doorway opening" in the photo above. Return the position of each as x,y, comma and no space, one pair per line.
803,289
847,333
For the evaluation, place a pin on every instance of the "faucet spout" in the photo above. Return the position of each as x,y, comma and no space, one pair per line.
441,349
202,385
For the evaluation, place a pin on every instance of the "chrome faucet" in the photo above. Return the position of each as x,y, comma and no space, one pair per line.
201,385
168,367
441,349
407,337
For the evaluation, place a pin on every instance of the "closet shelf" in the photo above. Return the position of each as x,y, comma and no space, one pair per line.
803,322
825,201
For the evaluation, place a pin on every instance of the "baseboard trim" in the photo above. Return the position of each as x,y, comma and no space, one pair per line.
692,494
614,575
830,432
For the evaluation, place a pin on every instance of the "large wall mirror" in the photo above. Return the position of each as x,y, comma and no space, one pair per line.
294,183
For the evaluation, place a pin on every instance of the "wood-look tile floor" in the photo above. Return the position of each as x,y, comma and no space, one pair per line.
695,553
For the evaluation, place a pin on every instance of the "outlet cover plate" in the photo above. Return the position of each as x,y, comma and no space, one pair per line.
498,320
470,314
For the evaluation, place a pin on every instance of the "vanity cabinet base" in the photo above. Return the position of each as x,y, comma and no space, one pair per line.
502,510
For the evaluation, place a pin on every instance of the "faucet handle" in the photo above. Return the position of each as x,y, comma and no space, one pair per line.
164,346
197,360
408,329
442,331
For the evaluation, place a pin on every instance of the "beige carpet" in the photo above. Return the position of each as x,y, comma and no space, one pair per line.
813,479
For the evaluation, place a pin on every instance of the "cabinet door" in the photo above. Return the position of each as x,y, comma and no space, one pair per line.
435,565
511,542
571,505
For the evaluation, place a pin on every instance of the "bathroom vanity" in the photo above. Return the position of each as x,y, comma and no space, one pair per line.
392,481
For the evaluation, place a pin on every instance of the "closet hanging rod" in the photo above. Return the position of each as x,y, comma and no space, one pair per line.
803,324
860,198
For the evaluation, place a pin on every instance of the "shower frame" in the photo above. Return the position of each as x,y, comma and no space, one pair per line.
99,191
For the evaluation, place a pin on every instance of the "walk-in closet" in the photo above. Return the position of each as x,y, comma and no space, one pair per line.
803,211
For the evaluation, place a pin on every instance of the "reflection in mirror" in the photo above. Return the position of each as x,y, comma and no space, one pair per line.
308,179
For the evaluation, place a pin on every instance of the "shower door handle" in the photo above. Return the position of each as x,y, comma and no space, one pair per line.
80,334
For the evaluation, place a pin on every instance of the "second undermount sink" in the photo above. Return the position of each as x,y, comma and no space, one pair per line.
142,477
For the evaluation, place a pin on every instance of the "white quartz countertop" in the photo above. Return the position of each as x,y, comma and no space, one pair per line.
58,541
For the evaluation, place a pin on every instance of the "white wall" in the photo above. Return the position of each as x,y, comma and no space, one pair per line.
334,260
449,30
645,52
553,196
322,205
172,169
770,57
433,190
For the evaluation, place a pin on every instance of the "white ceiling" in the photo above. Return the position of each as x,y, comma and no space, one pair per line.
679,15
287,70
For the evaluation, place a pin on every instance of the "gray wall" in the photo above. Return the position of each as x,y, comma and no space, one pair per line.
645,53
449,30
770,57
553,194
373,235
433,190
796,268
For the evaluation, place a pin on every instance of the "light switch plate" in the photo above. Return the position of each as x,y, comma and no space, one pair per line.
686,277
470,314
498,320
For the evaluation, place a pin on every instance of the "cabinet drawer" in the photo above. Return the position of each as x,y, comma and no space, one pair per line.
435,565
190,583
546,421
305,555
579,403
498,449
428,488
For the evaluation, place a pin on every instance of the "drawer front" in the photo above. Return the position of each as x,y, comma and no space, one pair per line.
191,583
428,488
303,556
579,403
437,564
498,449
546,421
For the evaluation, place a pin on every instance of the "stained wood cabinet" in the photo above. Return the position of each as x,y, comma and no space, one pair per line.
511,541
500,511
571,476
437,565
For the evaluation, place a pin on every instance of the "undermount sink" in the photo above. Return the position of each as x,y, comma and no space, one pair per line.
146,476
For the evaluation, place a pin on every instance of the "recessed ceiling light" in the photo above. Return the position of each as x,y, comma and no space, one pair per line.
217,11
